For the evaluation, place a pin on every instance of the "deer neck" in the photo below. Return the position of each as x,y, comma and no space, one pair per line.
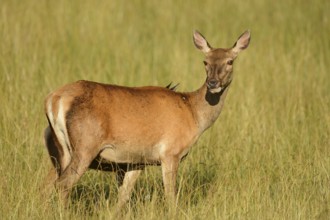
207,106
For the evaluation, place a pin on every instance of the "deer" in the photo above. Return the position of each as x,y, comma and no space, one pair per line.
124,129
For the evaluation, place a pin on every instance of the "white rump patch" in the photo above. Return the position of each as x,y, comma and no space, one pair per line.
50,112
60,130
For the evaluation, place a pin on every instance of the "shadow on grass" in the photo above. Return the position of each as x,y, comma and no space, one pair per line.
194,186
88,200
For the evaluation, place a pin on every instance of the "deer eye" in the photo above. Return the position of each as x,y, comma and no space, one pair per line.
205,63
230,62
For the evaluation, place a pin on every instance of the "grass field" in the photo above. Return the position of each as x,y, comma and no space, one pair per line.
266,157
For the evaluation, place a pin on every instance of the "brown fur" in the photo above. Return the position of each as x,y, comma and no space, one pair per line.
123,129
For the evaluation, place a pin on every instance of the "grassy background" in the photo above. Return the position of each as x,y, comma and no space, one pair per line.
267,156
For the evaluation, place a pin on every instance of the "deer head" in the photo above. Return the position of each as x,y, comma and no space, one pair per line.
218,61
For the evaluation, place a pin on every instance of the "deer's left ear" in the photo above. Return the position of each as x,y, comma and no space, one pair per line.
201,43
242,42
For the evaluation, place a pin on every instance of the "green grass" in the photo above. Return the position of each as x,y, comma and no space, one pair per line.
266,157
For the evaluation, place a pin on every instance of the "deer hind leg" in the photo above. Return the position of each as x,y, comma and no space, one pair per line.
126,181
76,168
55,152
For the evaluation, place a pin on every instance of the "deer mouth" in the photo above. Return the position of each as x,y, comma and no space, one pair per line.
215,90
214,86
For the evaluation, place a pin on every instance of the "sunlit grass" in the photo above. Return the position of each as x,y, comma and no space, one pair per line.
267,156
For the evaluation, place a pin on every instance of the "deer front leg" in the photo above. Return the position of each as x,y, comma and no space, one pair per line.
169,170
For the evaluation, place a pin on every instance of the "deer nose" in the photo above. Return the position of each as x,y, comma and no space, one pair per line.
212,83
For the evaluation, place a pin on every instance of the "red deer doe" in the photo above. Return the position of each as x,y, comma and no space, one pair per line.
123,129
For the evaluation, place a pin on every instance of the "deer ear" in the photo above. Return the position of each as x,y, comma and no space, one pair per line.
242,42
201,43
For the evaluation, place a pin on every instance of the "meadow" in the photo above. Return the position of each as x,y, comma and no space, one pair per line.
266,157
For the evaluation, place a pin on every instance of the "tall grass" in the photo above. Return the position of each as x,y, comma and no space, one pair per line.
267,156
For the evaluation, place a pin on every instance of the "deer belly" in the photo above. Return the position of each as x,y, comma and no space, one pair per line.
117,154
